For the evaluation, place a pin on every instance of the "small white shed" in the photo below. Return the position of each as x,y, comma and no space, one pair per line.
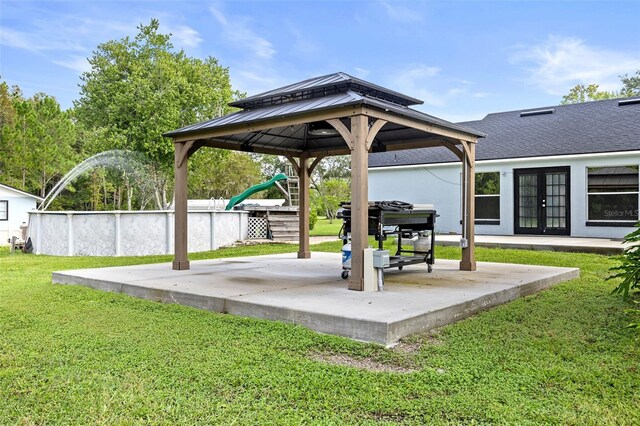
14,207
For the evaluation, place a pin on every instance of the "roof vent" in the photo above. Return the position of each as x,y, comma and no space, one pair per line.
629,102
536,112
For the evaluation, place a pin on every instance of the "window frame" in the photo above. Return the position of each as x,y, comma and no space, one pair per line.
487,221
611,222
6,216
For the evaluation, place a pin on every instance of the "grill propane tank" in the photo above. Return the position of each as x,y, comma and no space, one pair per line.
422,244
346,256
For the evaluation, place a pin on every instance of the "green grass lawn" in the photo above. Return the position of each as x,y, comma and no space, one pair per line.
73,355
323,227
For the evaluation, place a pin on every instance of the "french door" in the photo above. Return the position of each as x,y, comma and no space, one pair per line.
542,201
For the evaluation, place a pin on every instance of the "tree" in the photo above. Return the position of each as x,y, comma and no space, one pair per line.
331,193
7,121
217,173
582,93
331,182
139,89
323,197
631,85
37,141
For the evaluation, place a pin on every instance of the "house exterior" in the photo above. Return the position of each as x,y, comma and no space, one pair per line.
14,205
560,170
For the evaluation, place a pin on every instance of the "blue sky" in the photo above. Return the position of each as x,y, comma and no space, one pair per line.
464,59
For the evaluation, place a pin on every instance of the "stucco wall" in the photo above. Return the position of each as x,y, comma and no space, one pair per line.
131,233
439,184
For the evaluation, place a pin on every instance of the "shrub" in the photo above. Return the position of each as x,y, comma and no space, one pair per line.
629,272
629,269
313,218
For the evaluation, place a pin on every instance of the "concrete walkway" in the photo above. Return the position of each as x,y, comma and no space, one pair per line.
310,292
605,246
539,242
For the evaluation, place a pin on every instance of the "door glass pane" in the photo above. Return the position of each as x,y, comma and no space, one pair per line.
528,200
556,200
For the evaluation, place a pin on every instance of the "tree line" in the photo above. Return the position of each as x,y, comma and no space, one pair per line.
591,92
136,89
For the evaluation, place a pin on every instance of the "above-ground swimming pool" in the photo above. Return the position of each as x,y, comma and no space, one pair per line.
130,233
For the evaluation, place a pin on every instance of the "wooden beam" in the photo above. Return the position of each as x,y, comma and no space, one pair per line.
294,163
419,125
180,260
468,157
256,126
315,163
324,152
344,132
396,146
219,143
373,131
452,147
184,152
359,200
468,262
303,208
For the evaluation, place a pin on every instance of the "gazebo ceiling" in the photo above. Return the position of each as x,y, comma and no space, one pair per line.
290,120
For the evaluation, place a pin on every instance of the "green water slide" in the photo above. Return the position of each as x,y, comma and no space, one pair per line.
256,188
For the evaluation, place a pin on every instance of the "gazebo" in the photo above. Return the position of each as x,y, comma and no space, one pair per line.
335,114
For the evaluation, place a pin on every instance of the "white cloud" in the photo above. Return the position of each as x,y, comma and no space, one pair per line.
66,38
76,63
253,81
361,72
397,12
241,35
37,41
300,43
415,81
182,35
560,63
456,91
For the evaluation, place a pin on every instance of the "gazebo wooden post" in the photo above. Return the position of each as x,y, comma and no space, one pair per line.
359,200
180,261
468,262
303,208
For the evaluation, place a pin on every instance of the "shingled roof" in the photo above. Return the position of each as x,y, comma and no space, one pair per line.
585,128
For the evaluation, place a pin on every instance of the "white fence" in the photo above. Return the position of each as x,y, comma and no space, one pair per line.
130,233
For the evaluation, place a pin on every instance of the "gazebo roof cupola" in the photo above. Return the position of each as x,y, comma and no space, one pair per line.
326,85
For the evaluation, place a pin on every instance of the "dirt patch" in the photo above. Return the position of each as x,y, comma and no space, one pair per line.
413,344
361,363
407,347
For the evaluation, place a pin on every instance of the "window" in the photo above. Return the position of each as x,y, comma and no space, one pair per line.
4,210
488,198
612,195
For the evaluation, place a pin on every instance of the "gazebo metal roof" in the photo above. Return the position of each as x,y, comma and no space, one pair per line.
329,94
324,85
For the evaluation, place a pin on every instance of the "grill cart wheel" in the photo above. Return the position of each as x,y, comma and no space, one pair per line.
345,275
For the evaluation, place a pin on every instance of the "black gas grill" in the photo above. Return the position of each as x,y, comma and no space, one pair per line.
401,220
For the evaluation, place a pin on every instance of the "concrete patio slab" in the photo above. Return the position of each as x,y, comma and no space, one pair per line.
310,292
